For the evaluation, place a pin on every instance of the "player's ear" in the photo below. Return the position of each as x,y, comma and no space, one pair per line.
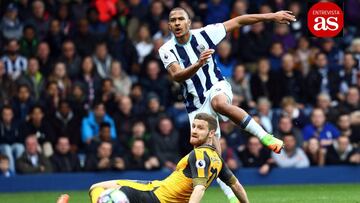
211,133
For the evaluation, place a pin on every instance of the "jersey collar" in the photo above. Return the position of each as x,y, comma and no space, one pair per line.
177,43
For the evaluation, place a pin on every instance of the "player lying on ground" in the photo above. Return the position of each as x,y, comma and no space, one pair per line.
194,173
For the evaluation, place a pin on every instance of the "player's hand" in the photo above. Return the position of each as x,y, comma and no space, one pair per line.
283,17
205,56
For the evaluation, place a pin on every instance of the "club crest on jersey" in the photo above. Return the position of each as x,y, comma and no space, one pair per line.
200,164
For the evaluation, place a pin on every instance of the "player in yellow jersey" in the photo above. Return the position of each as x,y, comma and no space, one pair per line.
193,175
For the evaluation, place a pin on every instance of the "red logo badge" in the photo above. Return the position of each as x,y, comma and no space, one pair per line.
325,19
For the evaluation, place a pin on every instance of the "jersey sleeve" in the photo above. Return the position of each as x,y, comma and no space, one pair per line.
226,175
167,57
216,32
199,165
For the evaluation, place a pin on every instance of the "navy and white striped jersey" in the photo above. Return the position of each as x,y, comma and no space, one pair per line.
14,68
196,88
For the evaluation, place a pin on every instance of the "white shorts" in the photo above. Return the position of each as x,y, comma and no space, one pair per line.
222,87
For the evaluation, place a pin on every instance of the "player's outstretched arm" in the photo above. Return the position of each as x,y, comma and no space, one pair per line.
197,194
284,17
179,74
239,191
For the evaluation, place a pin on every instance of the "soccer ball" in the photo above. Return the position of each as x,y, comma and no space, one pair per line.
113,196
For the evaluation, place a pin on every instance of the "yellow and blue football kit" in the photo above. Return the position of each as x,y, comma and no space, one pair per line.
200,167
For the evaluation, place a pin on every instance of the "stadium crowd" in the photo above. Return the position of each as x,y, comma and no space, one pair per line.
82,87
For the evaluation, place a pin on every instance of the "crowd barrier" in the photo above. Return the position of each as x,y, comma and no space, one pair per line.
82,181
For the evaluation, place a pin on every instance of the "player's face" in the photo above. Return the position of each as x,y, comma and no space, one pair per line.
199,132
179,23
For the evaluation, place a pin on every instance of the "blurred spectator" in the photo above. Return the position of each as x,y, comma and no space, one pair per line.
254,44
325,132
229,155
166,143
139,159
276,53
282,34
352,101
11,141
107,95
224,59
22,103
102,60
28,42
63,160
137,9
121,80
341,152
285,126
155,82
124,118
70,58
89,79
84,39
355,49
95,25
78,9
154,111
10,26
78,100
143,42
290,81
67,124
323,101
290,108
40,127
302,55
33,78
104,136
268,118
40,18
14,63
5,167
51,97
321,79
298,28
164,32
235,138
314,152
123,13
45,60
91,124
121,48
291,156
217,12
255,155
102,160
262,82
7,86
138,98
106,9
154,15
32,161
63,15
240,85
348,75
60,76
240,7
333,53
347,129
140,132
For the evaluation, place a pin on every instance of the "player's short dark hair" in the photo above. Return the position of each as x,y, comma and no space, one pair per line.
3,157
180,9
212,123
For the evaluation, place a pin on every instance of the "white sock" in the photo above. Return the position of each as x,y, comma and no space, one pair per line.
251,126
226,189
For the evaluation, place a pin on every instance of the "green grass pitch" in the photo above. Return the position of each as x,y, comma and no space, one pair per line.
349,193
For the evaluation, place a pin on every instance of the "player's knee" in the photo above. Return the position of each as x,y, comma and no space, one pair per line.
219,105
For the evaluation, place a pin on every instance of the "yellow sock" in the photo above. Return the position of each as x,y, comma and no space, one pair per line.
95,194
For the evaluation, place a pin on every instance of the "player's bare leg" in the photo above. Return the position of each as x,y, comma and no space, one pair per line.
239,116
64,198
